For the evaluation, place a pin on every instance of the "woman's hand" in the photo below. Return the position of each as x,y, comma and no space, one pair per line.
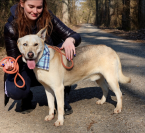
9,65
69,48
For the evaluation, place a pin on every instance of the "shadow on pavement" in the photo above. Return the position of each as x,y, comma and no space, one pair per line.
89,93
39,96
75,96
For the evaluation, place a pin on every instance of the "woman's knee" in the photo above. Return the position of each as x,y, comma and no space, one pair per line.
14,92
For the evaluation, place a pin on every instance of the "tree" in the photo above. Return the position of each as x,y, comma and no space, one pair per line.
65,15
133,14
141,14
126,15
97,12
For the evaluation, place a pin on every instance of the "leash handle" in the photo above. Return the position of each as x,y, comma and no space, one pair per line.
15,70
61,53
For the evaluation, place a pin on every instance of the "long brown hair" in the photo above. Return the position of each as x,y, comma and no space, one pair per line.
24,28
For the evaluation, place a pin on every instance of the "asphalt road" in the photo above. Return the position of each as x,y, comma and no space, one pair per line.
88,117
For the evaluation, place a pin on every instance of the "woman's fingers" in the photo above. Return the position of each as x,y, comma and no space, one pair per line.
12,65
70,52
67,53
69,48
8,65
73,52
3,63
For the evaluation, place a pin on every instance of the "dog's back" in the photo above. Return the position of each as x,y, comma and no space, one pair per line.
92,60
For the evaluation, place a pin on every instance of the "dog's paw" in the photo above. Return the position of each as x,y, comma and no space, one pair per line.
49,117
100,102
117,110
58,123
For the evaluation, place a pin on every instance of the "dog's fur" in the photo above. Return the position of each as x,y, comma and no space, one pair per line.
94,62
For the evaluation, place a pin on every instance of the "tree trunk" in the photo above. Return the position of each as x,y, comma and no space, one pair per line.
126,15
141,14
107,23
74,13
112,13
133,15
97,12
89,14
65,15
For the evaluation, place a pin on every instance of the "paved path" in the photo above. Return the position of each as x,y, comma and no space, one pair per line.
87,116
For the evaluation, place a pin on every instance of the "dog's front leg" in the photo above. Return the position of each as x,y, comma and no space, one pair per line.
50,99
59,93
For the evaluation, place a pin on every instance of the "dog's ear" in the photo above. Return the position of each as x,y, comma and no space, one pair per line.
18,41
42,33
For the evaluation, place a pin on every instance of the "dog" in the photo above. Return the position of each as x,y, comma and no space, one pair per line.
98,63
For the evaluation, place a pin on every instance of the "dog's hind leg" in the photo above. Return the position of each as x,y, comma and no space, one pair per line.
102,83
114,86
50,99
59,93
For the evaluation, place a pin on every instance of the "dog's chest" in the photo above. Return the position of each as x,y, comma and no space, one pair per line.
39,73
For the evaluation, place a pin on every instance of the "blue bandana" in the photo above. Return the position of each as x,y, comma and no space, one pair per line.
43,62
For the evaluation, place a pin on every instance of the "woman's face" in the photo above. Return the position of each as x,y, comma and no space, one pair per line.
32,8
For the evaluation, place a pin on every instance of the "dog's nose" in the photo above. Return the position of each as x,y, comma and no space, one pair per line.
30,54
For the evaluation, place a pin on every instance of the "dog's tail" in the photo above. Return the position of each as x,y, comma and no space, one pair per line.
122,78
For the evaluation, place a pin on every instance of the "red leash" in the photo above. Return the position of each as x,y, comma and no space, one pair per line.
15,70
61,53
16,65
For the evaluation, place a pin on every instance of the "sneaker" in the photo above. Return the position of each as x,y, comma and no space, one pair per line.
68,110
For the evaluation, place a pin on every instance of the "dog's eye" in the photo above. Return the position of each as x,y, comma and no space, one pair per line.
25,44
35,44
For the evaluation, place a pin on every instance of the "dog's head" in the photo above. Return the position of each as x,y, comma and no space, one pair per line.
31,47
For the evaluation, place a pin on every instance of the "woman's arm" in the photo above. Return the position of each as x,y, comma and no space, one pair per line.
63,31
10,36
12,50
71,39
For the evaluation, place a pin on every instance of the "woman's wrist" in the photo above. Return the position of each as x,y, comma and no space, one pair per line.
71,39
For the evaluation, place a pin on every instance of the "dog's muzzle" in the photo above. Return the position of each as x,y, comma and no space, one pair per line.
30,54
31,61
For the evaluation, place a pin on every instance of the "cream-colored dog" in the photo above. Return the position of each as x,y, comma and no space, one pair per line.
94,62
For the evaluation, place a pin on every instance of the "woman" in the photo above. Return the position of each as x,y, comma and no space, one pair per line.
28,17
